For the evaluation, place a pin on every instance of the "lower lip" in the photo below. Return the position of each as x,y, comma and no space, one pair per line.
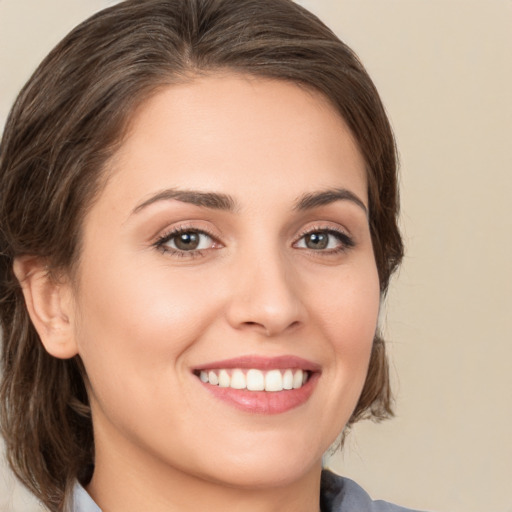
265,402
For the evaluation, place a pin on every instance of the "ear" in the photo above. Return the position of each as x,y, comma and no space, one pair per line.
50,306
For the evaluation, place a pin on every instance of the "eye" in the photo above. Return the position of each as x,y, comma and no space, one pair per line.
328,240
185,241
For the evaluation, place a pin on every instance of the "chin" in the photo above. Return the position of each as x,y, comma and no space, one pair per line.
266,476
267,464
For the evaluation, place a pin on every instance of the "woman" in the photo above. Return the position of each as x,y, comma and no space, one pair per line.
198,223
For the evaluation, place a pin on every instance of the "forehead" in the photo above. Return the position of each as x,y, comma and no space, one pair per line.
227,130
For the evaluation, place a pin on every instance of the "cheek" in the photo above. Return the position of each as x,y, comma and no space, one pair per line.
347,313
139,321
349,306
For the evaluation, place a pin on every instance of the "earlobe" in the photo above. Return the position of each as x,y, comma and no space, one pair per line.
49,305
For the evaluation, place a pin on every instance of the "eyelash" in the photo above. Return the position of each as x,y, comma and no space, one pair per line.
174,233
346,242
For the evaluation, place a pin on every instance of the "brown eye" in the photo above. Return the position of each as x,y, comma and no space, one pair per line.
187,241
183,241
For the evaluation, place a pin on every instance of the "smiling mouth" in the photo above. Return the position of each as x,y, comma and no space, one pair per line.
258,384
252,379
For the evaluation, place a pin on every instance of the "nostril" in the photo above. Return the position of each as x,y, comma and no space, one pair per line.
255,326
269,330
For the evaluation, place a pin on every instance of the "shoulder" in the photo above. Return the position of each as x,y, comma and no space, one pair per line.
341,494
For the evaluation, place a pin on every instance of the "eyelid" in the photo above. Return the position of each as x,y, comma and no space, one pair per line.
323,226
161,239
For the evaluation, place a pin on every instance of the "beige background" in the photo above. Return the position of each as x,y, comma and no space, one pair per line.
444,69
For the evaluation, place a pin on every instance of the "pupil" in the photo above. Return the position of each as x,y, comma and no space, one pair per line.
317,241
187,241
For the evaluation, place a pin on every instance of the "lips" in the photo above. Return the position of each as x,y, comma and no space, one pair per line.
260,385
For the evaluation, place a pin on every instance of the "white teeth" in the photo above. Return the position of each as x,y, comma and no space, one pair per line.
255,380
224,380
288,379
273,381
213,378
297,379
238,380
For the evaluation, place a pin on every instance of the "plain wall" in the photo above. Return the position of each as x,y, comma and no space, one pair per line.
444,70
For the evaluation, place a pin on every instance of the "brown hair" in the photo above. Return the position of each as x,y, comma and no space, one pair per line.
66,123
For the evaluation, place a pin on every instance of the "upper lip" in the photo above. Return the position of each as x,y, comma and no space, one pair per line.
262,363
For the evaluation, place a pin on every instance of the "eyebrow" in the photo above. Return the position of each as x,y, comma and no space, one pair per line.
225,202
323,198
213,200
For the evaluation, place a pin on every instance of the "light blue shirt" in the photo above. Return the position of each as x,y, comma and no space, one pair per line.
82,502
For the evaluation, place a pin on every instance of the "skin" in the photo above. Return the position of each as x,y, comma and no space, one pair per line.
142,318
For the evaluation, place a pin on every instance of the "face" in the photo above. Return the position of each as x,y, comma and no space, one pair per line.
230,249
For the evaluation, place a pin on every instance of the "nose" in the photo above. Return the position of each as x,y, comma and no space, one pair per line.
265,296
